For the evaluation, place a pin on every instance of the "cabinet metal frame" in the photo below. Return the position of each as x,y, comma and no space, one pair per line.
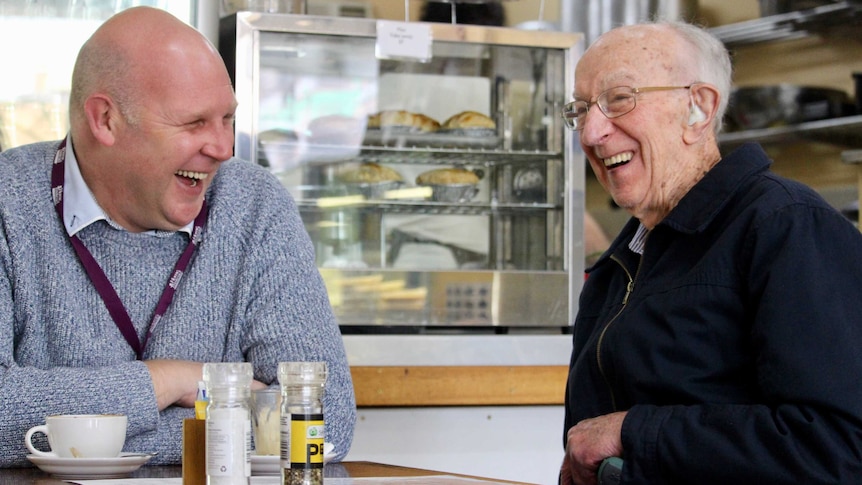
532,290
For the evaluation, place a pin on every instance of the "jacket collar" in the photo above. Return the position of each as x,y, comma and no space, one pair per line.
699,207
704,201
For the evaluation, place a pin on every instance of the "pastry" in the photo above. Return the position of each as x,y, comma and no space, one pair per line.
447,176
403,300
403,119
468,120
370,173
277,135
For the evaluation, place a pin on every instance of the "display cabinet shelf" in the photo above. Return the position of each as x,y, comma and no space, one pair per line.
435,208
421,155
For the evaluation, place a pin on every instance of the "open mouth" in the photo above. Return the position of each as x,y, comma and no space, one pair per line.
618,160
191,178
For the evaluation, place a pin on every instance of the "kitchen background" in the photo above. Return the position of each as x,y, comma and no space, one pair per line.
33,101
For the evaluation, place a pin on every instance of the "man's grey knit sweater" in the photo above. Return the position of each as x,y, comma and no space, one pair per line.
252,293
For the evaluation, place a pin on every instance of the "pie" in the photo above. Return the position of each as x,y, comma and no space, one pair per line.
403,119
370,173
468,120
447,176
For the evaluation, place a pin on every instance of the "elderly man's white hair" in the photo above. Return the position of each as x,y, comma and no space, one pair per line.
713,62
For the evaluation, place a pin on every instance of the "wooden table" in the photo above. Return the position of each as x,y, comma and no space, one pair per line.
34,476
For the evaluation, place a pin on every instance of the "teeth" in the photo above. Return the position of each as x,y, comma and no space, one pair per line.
194,183
192,175
617,159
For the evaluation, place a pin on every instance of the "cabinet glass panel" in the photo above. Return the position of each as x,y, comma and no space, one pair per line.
430,187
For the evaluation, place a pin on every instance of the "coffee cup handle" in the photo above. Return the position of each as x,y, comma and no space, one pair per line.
28,440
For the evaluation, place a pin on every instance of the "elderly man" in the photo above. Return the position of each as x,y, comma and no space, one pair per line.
136,249
719,338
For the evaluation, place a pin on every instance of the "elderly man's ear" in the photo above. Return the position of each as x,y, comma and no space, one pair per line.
703,105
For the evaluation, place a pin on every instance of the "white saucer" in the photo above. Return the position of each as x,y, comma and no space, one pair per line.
265,465
84,468
271,464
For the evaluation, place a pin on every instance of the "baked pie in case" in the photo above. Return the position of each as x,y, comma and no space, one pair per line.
403,121
468,120
447,176
372,179
450,184
370,173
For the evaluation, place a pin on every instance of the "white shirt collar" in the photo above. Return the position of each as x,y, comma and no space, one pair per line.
639,240
80,208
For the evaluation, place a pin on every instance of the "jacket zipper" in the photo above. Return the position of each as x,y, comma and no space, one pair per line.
629,288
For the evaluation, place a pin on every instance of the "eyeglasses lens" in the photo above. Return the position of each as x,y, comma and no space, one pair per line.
614,102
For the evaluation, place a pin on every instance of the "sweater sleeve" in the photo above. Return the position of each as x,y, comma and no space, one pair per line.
288,314
29,393
804,279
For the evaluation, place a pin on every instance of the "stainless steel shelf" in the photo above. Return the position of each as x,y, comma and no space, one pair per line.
845,131
432,155
436,208
418,154
852,156
843,17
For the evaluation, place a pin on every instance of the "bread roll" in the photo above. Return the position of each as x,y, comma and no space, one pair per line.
468,120
447,176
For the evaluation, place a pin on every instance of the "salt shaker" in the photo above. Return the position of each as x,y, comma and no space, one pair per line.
228,423
302,423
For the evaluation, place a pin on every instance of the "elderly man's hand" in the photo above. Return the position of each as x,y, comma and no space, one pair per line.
587,444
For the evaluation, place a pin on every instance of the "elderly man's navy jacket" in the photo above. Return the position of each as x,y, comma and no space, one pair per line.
734,342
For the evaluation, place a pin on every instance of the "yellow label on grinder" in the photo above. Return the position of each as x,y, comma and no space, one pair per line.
306,441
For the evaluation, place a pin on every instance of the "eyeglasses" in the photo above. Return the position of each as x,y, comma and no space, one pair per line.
613,103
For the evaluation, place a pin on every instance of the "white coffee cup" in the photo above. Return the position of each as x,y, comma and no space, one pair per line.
81,435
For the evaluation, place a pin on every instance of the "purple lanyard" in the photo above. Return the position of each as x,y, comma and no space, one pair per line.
100,280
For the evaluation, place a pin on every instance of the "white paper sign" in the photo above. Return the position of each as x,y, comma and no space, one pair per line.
403,40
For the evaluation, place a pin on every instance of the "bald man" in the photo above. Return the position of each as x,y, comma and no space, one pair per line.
136,249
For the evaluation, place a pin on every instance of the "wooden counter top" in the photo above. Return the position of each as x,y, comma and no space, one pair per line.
378,386
34,476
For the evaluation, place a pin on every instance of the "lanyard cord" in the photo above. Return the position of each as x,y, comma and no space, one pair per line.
100,280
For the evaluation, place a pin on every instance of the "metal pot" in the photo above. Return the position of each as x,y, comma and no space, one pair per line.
595,17
756,107
454,193
775,7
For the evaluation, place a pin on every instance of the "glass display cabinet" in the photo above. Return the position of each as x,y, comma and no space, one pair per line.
429,163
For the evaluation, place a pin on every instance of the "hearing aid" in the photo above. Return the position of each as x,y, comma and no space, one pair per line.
695,115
